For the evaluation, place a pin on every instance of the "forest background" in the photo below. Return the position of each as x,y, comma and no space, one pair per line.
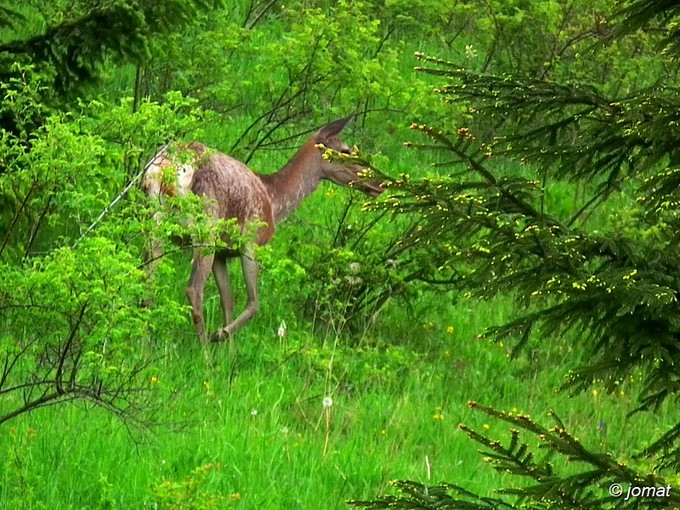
519,275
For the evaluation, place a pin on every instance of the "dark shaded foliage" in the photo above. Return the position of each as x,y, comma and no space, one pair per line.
72,51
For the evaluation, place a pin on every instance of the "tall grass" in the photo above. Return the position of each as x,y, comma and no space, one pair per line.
259,418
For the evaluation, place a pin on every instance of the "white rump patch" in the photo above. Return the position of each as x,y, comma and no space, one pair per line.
159,180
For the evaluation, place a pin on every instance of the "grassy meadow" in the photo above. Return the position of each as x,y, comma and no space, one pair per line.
256,429
249,429
306,412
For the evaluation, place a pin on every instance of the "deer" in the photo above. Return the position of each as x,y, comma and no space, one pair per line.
232,191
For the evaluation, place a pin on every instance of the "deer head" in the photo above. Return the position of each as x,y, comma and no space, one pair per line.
349,176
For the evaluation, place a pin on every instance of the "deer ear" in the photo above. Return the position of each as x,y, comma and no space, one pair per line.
333,129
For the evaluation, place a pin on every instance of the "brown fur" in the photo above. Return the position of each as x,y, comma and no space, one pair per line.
235,191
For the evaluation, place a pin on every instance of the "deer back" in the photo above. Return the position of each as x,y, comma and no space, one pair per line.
233,191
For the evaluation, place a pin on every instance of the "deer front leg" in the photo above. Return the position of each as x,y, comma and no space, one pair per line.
221,273
200,271
250,270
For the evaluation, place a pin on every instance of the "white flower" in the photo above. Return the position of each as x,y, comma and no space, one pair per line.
282,329
354,267
327,402
253,412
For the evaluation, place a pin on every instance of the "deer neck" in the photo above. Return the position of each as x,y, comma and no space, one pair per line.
289,186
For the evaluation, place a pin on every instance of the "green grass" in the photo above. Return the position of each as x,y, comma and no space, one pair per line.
260,416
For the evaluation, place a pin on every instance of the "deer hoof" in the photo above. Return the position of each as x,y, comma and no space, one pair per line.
220,335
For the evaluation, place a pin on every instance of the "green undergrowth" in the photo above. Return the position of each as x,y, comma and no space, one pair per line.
300,421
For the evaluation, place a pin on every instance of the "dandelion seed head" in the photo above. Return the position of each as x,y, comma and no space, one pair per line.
327,402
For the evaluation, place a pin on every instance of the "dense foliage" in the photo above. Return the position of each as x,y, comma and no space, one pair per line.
601,270
551,135
73,282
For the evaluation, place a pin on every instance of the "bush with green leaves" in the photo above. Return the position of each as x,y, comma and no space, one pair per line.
72,260
71,40
319,62
349,281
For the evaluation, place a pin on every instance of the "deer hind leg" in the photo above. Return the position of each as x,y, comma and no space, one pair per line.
221,273
153,252
200,271
250,270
